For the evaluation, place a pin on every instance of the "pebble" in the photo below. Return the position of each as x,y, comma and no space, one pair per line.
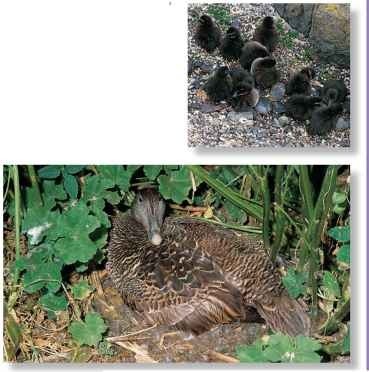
279,108
342,124
264,106
283,120
246,117
277,92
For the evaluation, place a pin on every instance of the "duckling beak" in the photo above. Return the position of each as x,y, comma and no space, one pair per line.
156,239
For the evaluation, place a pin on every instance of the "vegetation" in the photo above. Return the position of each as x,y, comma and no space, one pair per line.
57,220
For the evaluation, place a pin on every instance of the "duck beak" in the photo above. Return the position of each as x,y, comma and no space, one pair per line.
154,234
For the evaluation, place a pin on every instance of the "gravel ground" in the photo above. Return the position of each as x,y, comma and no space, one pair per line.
216,125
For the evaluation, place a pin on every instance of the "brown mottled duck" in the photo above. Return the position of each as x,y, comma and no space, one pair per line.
192,275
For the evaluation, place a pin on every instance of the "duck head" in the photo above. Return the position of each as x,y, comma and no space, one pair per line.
148,209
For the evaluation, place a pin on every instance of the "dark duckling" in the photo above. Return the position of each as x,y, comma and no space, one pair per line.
219,85
266,33
300,82
265,72
231,46
244,93
324,119
250,51
208,34
301,107
193,275
334,91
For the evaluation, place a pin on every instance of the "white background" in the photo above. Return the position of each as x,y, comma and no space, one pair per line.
105,82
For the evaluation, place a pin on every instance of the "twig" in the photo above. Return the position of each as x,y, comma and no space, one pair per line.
188,208
123,337
222,357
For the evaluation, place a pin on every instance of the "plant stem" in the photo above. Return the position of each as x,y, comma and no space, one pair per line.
332,324
34,182
17,217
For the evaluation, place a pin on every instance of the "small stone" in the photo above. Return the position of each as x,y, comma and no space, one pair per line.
264,106
208,108
279,108
242,117
342,124
315,92
283,120
277,92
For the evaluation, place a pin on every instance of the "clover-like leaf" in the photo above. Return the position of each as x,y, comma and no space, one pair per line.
251,353
294,282
340,233
88,332
73,234
152,171
70,185
118,174
81,290
53,303
330,283
50,171
73,169
176,185
343,254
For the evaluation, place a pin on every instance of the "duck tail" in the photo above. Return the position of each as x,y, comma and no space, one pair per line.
286,315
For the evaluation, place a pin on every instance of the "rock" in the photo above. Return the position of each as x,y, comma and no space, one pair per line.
342,124
326,25
278,107
315,92
209,107
278,91
194,84
242,117
264,106
330,32
206,67
283,120
299,16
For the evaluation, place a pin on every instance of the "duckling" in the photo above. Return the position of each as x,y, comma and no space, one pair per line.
266,34
265,72
324,119
300,82
193,275
250,51
219,85
301,107
244,92
334,91
231,45
208,34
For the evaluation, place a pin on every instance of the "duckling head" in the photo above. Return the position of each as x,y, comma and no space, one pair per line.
148,209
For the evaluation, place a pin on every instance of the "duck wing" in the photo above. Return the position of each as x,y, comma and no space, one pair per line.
182,286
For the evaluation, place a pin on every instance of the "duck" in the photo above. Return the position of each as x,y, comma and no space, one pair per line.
208,35
194,275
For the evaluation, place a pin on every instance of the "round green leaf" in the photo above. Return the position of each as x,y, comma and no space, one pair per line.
50,171
71,185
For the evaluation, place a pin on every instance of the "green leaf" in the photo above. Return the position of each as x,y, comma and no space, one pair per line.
81,290
50,171
236,214
176,185
52,193
304,343
88,332
72,235
341,234
53,303
343,254
152,171
338,197
71,185
118,175
338,209
73,169
330,283
346,343
251,353
294,282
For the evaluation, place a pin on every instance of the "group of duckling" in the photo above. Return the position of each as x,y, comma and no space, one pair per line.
239,86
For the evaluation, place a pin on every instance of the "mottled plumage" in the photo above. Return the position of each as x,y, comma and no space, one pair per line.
300,107
324,119
208,34
231,45
266,33
250,51
300,82
219,85
198,276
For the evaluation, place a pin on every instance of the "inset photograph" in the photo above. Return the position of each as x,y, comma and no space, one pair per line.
176,263
269,75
